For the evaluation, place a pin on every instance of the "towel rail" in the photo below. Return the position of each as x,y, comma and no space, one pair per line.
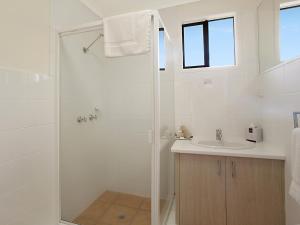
296,119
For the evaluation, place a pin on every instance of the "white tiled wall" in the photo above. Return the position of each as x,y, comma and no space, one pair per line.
127,116
210,98
281,91
27,144
82,156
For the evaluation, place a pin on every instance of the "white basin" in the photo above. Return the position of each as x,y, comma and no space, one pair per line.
224,144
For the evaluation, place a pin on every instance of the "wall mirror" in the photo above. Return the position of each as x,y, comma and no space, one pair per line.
278,31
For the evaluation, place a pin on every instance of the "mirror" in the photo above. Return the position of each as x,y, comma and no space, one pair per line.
278,29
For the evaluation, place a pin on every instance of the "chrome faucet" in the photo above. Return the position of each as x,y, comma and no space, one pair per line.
219,135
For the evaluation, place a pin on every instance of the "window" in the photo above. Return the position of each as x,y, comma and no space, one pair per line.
208,43
193,44
289,33
162,49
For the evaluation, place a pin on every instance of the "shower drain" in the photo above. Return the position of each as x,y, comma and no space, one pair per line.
121,216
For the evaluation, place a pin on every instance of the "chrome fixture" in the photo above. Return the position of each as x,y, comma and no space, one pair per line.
90,117
219,135
296,119
86,49
93,117
81,119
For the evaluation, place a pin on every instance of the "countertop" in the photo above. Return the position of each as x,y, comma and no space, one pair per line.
260,151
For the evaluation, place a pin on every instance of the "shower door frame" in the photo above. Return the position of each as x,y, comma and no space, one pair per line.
154,134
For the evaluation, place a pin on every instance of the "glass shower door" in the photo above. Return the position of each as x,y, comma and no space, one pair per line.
106,112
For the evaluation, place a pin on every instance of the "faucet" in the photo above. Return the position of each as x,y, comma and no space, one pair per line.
219,135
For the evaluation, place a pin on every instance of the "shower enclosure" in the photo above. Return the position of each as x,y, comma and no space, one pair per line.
114,129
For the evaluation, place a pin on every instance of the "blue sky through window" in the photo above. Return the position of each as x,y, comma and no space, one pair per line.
289,33
193,45
221,42
162,50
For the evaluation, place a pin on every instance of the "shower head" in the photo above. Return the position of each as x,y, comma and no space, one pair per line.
86,49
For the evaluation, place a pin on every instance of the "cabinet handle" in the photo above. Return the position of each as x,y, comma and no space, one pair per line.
233,169
219,167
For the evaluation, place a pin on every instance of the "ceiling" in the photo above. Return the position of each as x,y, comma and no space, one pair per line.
114,7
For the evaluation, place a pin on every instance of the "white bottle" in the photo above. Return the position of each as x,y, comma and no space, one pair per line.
179,133
254,133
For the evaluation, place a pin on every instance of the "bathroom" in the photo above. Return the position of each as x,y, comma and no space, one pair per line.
153,134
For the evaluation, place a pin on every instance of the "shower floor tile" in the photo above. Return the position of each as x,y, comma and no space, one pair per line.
92,214
131,201
119,215
108,196
146,205
142,218
113,208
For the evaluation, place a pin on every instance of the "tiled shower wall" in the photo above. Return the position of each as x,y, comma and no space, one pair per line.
27,143
281,94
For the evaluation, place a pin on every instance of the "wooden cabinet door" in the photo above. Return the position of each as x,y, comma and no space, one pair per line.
255,192
201,190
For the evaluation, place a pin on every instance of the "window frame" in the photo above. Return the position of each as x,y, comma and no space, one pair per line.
205,44
159,30
205,25
289,7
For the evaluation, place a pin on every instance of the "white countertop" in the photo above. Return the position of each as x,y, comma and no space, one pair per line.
260,151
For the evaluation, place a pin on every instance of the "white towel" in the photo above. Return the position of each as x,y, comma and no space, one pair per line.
295,165
127,34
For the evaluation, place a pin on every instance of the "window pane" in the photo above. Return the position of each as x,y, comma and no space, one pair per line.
289,33
193,46
221,42
162,50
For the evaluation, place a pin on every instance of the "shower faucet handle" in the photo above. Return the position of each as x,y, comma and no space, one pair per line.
93,117
81,119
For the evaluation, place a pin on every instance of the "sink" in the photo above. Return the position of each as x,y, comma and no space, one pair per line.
224,144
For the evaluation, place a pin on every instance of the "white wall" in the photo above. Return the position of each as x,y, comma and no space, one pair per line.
27,131
128,115
81,162
71,13
230,101
25,35
281,91
82,156
115,7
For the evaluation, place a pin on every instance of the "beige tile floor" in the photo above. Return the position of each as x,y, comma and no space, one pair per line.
113,208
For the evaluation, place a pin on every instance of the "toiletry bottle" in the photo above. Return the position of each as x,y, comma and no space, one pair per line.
179,133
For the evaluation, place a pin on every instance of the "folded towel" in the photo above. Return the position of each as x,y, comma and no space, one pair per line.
295,165
127,34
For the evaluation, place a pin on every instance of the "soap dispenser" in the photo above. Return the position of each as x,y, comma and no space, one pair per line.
254,133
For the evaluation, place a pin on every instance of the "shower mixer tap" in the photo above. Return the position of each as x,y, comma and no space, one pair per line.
81,119
93,117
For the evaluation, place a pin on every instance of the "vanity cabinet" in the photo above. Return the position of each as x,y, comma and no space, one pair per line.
217,190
